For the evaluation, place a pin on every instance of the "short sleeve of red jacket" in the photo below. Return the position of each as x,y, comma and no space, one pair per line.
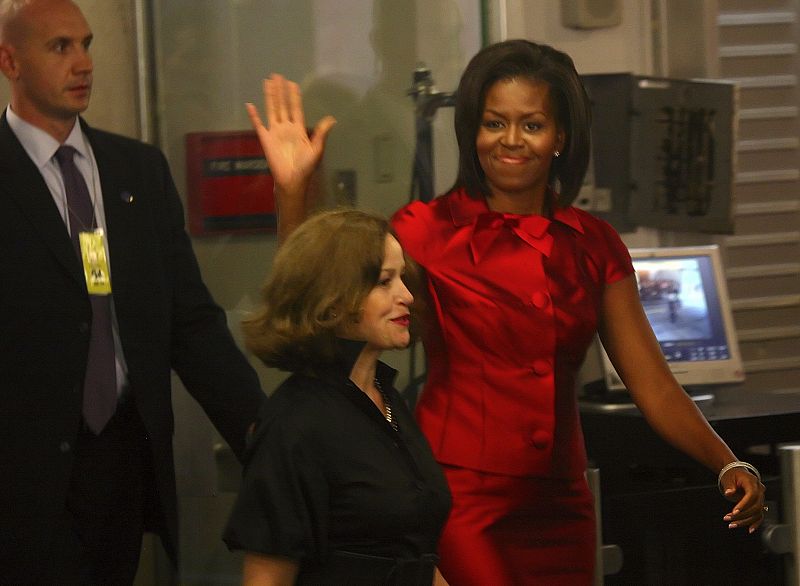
609,249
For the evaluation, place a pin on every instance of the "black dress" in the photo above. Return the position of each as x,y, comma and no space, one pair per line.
328,482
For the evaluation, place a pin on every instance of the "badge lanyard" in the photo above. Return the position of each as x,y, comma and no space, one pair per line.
92,243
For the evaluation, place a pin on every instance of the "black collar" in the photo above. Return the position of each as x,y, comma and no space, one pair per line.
347,352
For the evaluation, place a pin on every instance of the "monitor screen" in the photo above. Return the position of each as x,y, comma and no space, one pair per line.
685,298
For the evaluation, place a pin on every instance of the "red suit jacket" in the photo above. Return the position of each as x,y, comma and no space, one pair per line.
514,305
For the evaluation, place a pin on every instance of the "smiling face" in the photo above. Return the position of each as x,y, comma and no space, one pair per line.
384,317
46,58
516,142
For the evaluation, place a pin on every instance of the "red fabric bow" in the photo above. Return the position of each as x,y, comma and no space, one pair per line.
488,225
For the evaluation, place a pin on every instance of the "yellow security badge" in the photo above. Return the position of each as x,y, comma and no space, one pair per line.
95,262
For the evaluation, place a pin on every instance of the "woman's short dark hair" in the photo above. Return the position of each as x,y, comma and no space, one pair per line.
524,59
319,280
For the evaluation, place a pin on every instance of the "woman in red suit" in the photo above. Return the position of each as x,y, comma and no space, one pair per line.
518,285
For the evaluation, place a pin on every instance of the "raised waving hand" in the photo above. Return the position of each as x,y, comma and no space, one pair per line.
291,153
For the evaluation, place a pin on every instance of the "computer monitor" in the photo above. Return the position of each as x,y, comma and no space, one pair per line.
685,297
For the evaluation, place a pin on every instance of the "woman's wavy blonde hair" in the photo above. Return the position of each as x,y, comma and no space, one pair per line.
319,279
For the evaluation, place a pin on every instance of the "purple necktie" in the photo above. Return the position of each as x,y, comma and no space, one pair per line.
100,382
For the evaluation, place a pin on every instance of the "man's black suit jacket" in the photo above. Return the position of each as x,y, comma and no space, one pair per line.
167,320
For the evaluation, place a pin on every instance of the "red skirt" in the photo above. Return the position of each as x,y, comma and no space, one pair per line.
510,531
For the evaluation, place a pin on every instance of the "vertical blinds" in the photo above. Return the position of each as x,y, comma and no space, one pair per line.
758,49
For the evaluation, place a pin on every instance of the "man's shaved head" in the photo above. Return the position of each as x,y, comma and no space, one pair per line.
44,55
11,28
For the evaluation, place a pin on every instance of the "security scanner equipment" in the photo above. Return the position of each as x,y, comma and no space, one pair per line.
662,152
781,530
608,557
427,101
664,512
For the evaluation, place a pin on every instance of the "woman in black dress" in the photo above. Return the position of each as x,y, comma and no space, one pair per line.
340,486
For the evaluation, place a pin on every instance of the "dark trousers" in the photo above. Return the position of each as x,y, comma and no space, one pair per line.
111,494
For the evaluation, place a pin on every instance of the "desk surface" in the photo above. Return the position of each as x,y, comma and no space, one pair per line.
723,403
744,420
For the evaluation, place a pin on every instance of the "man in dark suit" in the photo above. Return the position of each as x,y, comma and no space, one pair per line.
80,488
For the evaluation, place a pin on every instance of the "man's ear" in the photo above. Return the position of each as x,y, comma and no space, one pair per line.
8,62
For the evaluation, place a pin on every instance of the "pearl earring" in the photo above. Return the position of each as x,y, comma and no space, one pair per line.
556,153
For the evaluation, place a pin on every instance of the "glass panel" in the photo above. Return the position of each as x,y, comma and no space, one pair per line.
354,59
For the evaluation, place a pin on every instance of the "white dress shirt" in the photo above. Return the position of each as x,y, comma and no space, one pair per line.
41,148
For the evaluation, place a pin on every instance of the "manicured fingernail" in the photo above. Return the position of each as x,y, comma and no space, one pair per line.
732,526
751,530
727,518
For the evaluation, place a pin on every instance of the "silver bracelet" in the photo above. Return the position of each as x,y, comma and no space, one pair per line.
736,464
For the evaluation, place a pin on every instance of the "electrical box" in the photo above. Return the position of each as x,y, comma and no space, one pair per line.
589,14
664,150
